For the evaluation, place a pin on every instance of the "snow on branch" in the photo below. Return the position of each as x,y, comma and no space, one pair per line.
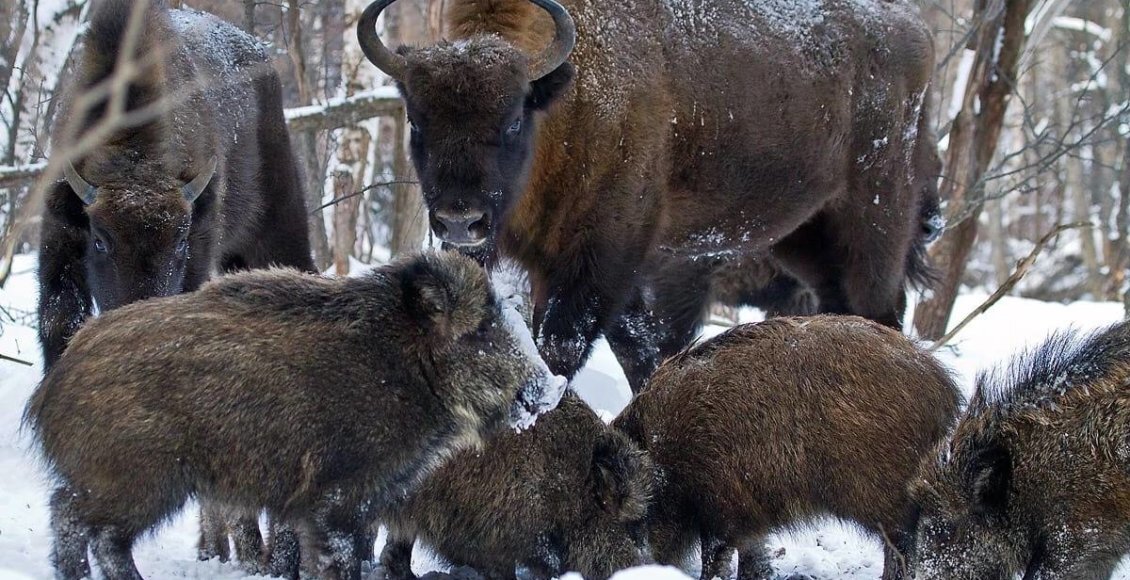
345,111
333,114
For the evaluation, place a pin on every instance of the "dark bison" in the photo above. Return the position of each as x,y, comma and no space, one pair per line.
209,183
150,210
776,424
310,396
676,134
1035,480
569,494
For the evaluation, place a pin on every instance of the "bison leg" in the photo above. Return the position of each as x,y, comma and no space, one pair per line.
754,562
633,338
113,547
717,557
71,537
396,558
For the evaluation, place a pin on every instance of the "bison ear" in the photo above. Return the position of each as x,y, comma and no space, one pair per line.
988,478
427,297
546,90
621,477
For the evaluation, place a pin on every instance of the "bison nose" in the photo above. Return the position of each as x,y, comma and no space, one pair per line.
461,229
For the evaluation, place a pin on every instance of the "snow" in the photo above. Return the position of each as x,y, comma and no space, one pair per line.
825,550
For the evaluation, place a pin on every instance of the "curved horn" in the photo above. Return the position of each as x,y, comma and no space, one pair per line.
389,62
564,38
194,188
82,189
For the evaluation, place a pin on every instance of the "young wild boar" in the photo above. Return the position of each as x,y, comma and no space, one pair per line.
569,494
775,424
312,397
1036,477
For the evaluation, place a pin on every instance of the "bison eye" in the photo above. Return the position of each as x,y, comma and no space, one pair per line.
182,247
99,245
514,128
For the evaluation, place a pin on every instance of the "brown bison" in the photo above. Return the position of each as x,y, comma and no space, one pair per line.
1035,480
675,134
774,425
209,183
316,398
569,494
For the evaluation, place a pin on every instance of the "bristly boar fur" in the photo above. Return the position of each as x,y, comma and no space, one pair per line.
569,494
144,214
775,424
1035,479
312,397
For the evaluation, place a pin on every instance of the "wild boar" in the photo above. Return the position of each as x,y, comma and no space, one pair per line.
775,424
311,397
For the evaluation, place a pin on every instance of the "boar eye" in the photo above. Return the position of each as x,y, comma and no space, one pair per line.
182,247
99,245
514,128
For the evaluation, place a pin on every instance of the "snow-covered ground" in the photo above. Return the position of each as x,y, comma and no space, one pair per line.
828,550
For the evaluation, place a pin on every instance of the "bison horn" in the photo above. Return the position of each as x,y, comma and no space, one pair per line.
389,62
565,36
194,188
80,186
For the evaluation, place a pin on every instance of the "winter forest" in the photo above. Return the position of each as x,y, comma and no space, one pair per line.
1029,101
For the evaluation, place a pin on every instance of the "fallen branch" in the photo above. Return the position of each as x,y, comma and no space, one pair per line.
1023,266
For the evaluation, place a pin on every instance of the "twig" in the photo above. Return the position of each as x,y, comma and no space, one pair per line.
1023,266
337,200
15,360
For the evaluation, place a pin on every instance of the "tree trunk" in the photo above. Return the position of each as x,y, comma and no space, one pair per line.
973,141
407,22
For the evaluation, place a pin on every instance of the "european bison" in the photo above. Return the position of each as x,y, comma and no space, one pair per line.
776,424
1035,480
569,494
802,135
208,182
313,397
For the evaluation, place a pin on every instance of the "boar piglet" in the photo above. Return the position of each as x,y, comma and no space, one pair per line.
1035,479
776,424
312,397
568,494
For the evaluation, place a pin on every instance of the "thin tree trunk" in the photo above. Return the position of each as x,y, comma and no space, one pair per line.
973,142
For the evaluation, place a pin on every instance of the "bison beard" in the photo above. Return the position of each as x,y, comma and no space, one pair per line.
209,184
806,144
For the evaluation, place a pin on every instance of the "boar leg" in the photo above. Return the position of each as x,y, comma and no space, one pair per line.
717,556
248,542
283,552
213,534
113,547
396,558
896,551
754,561
71,537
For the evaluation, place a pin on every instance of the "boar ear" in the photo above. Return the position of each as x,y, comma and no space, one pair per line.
427,297
988,478
621,477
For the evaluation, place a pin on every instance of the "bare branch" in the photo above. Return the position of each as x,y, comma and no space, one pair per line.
1022,268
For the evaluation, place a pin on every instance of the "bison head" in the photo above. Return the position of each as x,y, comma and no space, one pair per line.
472,106
138,244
